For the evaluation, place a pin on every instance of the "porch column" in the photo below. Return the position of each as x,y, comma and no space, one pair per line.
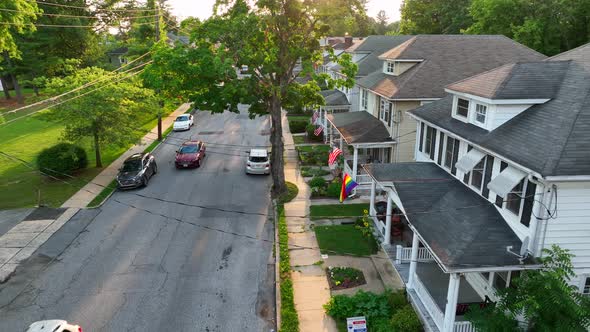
355,158
341,144
324,122
372,202
387,237
330,135
413,260
451,307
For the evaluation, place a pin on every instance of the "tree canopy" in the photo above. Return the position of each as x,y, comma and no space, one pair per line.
276,41
17,18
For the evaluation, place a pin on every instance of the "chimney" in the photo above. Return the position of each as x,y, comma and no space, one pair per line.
347,41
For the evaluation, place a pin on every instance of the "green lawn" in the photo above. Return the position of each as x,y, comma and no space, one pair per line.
21,186
337,210
314,148
344,240
298,139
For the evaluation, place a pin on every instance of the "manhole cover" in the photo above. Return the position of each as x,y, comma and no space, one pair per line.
211,132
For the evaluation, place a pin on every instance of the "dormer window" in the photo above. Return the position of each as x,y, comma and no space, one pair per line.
463,107
480,113
390,67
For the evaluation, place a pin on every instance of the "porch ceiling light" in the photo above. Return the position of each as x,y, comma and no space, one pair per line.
469,160
506,181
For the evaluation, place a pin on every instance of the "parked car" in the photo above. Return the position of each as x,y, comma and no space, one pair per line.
183,122
137,171
190,154
53,325
258,162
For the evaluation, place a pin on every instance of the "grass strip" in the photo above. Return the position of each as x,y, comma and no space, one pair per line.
333,211
289,318
103,194
344,240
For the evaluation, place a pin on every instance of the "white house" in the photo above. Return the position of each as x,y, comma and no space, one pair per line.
502,171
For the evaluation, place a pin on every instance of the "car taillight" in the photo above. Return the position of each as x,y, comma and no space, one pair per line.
79,329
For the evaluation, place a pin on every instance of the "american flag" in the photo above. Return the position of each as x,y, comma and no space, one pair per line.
314,117
333,155
318,131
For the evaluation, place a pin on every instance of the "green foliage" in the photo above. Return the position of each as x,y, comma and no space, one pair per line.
291,193
344,240
62,159
549,26
365,225
298,126
289,318
308,171
544,297
434,17
343,274
334,188
317,182
363,303
18,19
406,319
316,155
345,16
108,115
397,299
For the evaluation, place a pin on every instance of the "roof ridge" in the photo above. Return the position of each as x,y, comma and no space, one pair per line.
480,74
523,46
405,45
568,51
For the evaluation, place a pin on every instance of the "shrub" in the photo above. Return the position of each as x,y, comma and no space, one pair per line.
298,126
397,300
292,191
366,304
334,188
62,159
406,319
311,136
317,182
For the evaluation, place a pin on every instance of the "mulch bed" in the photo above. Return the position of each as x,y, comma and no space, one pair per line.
346,283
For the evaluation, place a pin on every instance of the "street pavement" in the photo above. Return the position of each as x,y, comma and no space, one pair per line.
125,267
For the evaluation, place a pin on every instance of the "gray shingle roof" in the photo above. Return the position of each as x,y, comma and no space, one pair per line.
334,98
360,127
446,59
529,80
375,46
463,229
552,139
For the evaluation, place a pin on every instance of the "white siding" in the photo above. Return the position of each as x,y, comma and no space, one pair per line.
503,113
405,150
354,98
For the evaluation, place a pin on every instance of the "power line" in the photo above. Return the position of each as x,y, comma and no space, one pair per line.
64,25
72,16
103,10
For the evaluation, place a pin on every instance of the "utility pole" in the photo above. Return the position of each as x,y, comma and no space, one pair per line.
160,102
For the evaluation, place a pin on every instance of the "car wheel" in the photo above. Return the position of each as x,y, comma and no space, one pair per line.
155,168
198,163
145,181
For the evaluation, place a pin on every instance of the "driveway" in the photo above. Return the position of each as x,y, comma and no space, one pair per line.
145,264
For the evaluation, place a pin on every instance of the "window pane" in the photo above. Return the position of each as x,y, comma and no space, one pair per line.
449,152
462,107
480,113
428,142
587,286
477,174
514,197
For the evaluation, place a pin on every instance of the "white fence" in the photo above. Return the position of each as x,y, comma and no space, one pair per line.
428,302
404,255
463,327
362,179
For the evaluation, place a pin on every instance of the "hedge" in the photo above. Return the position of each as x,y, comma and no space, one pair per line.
62,159
310,133
297,126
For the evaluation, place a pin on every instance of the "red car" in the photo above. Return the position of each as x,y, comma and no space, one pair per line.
190,154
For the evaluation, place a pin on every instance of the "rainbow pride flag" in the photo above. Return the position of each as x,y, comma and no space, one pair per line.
347,185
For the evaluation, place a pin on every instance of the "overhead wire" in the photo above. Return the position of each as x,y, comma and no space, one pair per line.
99,9
74,16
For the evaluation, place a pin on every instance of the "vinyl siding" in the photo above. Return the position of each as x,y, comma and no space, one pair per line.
500,114
405,150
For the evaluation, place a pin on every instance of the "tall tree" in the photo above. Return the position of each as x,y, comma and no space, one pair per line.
548,26
544,297
434,16
271,39
108,115
381,22
344,16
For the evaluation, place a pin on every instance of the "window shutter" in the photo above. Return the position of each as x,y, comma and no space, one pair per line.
455,156
487,176
527,209
421,136
432,143
441,142
499,200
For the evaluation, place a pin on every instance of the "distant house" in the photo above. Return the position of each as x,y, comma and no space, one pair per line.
502,171
118,56
412,71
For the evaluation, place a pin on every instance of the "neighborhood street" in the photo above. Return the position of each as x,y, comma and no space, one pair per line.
130,269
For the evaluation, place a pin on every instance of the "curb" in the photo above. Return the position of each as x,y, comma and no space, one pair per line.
277,272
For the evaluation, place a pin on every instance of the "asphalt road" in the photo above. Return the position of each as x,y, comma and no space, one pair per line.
122,268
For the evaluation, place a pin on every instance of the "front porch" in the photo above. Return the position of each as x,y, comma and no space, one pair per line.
458,256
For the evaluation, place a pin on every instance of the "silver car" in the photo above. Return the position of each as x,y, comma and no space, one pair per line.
258,162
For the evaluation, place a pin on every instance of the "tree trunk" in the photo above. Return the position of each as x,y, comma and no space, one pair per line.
5,88
19,93
278,148
97,150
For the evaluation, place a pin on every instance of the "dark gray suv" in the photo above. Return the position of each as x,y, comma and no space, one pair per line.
136,171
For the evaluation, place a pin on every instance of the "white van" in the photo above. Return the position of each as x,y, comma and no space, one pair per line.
258,162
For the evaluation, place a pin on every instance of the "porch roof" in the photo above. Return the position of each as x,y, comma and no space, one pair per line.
360,128
463,230
335,98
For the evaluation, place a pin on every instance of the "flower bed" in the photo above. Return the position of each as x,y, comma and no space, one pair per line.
344,277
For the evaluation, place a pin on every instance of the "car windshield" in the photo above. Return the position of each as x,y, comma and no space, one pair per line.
182,118
189,149
132,165
258,159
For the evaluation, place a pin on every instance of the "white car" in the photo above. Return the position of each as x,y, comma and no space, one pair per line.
258,162
183,122
53,325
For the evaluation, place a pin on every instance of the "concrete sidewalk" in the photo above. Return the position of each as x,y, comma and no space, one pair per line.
311,289
94,187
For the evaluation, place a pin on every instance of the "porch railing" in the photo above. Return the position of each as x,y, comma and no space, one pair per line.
362,178
428,302
404,255
463,327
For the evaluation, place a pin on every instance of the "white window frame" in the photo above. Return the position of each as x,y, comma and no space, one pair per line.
583,289
483,174
390,67
521,202
364,99
478,112
384,108
457,108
